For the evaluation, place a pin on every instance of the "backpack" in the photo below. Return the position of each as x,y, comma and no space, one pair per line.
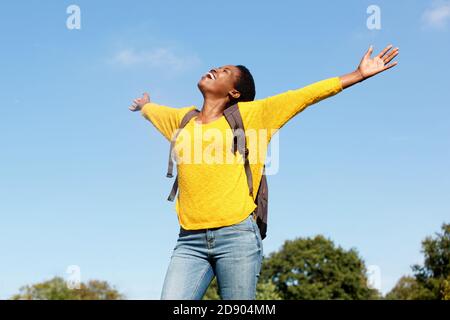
234,119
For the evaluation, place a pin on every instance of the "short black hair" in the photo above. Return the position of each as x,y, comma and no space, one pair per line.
245,85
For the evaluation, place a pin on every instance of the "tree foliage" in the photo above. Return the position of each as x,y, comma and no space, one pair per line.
407,288
57,289
314,268
431,280
212,293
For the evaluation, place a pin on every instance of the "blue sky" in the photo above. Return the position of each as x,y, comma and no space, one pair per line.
82,179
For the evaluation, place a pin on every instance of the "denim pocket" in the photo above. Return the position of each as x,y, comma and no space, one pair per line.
245,225
258,235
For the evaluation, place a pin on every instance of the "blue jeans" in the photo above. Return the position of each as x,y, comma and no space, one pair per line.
233,254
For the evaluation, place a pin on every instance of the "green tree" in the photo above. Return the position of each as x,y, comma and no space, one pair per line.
212,293
446,289
431,280
314,268
267,291
407,288
436,268
57,289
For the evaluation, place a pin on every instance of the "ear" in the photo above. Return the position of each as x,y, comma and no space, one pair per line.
234,94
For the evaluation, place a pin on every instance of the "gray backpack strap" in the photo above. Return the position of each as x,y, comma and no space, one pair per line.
173,192
188,116
262,200
233,116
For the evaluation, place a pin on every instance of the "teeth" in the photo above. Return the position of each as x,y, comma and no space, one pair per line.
212,76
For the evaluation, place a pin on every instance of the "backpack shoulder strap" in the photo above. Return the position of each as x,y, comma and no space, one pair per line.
233,116
234,119
187,117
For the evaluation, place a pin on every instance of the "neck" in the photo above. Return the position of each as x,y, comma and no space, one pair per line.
212,109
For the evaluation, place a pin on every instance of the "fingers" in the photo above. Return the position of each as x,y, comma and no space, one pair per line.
139,102
388,58
135,105
385,50
369,52
393,64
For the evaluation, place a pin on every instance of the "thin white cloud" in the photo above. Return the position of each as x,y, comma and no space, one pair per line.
162,58
438,15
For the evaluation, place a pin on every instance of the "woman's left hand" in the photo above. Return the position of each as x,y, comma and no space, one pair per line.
369,67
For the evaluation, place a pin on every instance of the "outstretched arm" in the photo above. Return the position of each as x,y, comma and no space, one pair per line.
275,111
368,67
164,118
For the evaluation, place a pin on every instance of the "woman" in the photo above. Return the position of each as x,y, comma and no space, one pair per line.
218,233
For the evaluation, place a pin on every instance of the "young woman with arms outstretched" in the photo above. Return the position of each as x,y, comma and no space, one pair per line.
218,233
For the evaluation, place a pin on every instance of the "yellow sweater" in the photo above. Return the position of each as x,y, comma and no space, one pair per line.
213,189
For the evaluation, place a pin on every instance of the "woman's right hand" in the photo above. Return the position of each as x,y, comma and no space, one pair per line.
140,102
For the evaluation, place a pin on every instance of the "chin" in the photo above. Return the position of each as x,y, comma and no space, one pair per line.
201,85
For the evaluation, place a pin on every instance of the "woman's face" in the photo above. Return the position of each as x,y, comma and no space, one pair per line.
220,82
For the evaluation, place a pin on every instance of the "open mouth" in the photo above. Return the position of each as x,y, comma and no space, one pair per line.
211,76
